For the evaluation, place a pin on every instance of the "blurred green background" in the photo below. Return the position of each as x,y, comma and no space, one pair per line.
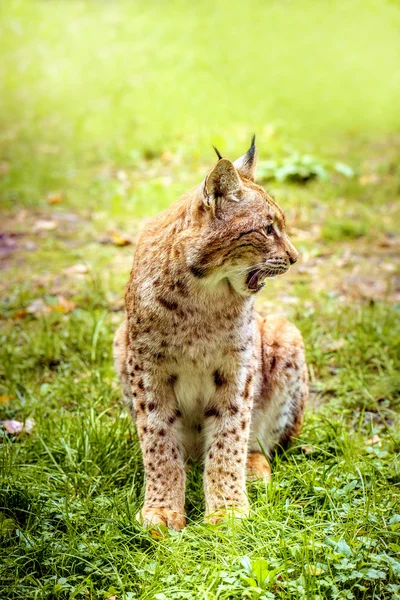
93,81
108,110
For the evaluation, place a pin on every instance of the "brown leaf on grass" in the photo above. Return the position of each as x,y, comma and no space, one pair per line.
372,441
44,225
14,427
5,399
156,535
78,269
119,239
54,198
39,307
286,299
337,345
64,305
29,425
116,239
307,449
390,241
389,267
8,244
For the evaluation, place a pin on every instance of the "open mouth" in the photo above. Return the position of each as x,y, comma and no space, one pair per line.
255,278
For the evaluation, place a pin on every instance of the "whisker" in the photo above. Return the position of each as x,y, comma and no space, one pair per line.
244,270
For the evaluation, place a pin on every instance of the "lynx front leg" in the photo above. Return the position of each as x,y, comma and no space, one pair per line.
227,432
157,424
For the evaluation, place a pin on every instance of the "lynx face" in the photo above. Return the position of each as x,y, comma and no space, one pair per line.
244,239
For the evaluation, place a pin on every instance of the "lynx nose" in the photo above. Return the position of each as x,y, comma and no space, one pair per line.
291,252
292,256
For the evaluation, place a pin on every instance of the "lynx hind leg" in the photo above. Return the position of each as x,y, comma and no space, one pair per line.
120,349
258,467
282,390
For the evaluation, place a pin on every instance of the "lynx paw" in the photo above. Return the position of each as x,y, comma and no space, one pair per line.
258,467
227,513
161,516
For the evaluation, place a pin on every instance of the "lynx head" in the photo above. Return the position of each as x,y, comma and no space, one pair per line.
242,238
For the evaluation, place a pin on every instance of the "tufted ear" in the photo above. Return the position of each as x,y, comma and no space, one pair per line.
223,181
247,164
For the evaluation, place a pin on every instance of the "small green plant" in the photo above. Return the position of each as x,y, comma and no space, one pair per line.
258,578
300,168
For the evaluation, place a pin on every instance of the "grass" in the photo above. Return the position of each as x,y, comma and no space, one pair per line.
112,109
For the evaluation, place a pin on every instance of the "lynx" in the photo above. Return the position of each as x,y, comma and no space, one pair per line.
205,375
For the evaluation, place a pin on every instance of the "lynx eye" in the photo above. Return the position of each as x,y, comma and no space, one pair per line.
268,229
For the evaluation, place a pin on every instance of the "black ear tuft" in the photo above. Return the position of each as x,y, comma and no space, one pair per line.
217,153
250,154
246,164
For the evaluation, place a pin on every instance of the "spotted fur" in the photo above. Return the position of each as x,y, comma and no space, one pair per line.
204,375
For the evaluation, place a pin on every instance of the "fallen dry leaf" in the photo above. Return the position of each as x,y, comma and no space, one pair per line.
67,217
78,269
29,425
307,449
156,535
286,299
38,307
337,345
64,305
14,427
119,239
388,242
5,399
54,198
8,244
374,440
44,225
389,267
